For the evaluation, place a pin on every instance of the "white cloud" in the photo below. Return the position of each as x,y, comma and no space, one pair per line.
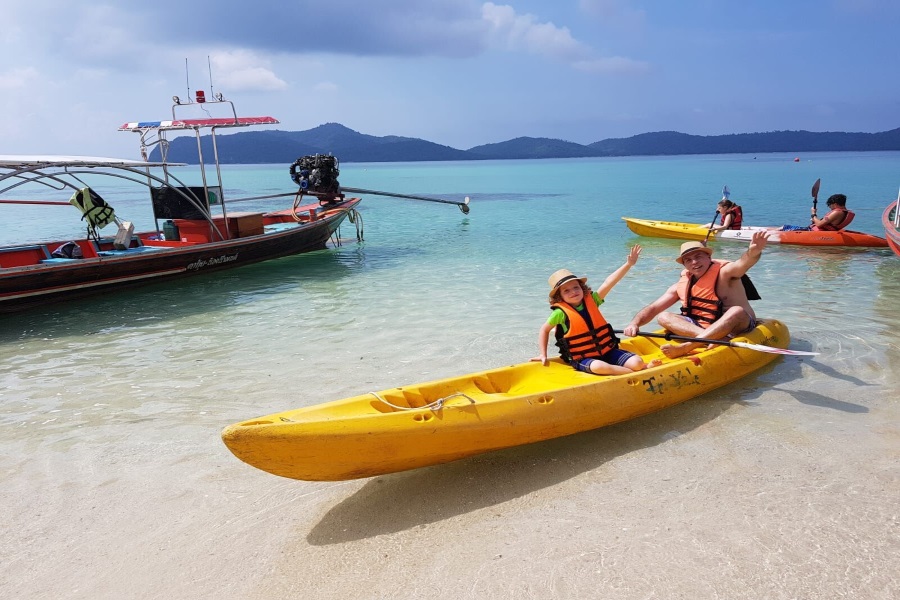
244,71
524,32
517,32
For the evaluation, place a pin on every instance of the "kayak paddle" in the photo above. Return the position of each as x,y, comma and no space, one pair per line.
748,346
815,194
725,195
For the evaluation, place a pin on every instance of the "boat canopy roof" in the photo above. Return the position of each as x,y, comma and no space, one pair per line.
12,161
197,123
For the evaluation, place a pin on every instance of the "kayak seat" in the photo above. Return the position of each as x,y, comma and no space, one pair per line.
491,384
414,399
398,400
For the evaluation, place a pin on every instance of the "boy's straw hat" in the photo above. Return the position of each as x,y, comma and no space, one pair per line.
560,277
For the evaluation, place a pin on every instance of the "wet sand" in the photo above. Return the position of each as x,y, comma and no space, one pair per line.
784,485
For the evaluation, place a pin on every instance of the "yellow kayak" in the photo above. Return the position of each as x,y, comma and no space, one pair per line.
440,421
696,231
668,229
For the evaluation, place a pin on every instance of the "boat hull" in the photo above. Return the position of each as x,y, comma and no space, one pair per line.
695,231
404,428
891,231
24,287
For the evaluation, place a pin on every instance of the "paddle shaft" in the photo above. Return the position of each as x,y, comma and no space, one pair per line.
748,346
815,194
725,195
711,225
681,338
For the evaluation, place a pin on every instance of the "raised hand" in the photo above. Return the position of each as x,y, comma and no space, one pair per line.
633,255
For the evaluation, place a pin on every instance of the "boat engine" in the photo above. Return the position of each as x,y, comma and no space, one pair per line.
317,173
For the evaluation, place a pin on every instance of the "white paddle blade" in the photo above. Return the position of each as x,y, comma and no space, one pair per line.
771,350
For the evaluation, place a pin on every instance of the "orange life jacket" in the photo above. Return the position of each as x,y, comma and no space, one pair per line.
588,336
848,216
737,217
699,299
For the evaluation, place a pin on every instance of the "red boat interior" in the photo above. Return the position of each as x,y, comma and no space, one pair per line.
176,233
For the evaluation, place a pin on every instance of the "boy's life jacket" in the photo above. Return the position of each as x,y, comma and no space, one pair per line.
588,334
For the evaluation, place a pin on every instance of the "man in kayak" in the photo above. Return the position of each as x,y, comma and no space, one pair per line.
713,296
586,341
838,217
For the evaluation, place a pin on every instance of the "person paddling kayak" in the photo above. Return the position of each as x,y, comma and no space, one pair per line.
837,218
732,216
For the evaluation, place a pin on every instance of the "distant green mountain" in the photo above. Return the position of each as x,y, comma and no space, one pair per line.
672,142
351,146
286,146
529,147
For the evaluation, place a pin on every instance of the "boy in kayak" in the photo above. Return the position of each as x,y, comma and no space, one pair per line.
838,217
586,341
713,296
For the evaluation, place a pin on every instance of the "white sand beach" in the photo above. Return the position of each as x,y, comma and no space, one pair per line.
774,491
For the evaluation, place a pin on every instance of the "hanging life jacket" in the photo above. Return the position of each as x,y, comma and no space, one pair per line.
847,218
699,298
94,209
737,217
588,335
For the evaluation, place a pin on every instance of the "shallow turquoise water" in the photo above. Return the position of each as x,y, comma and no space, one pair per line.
432,292
782,484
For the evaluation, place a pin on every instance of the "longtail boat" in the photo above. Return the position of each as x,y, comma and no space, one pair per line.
194,231
891,222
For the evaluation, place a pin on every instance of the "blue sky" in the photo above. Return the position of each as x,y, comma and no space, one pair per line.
455,72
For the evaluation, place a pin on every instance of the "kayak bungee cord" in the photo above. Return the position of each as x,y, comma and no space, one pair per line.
434,406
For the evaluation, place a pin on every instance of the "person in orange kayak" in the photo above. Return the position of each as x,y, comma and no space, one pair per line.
837,218
714,295
586,341
732,216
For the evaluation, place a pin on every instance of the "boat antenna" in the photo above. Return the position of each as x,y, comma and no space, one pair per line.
209,67
187,80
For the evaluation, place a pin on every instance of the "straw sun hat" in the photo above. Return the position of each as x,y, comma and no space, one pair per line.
688,247
560,277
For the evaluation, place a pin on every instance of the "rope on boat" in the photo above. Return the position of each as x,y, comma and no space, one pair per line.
434,406
354,217
297,200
